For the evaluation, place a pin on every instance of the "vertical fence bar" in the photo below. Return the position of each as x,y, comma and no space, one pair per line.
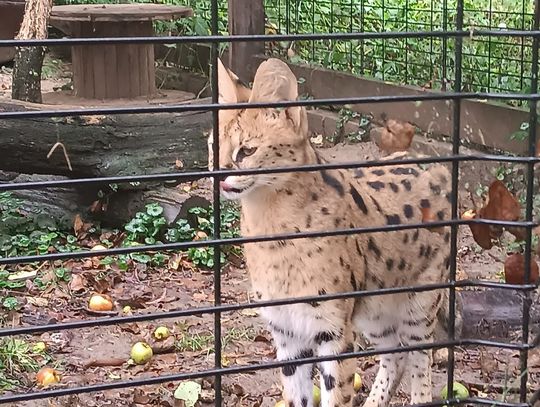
216,204
455,191
444,72
533,119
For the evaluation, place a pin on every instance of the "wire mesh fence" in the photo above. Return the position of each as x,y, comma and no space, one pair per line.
425,44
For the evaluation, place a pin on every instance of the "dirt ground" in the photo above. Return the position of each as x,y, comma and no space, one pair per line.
99,355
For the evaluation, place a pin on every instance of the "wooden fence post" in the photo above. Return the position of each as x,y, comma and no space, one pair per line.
246,17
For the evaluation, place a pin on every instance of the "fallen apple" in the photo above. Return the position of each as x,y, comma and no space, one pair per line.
357,382
316,398
161,333
460,391
39,347
141,353
126,310
468,215
47,376
100,302
316,395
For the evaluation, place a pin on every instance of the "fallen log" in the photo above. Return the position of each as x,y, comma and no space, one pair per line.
102,146
59,206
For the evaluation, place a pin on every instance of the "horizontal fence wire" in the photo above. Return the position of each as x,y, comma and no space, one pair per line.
364,40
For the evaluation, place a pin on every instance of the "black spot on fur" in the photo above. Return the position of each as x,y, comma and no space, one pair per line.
429,249
288,192
448,197
288,370
358,200
447,262
389,264
332,182
358,173
393,187
378,172
322,291
324,210
407,184
405,238
337,221
408,211
373,247
376,185
314,196
379,209
404,171
436,189
402,264
415,235
325,336
304,402
353,282
422,250
446,237
440,215
358,247
424,203
393,220
308,221
329,382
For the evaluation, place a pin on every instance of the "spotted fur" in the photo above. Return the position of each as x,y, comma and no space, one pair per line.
326,200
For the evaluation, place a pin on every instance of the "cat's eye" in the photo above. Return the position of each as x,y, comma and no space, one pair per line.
245,151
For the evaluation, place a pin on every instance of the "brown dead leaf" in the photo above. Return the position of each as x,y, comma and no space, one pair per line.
178,164
394,136
77,283
502,205
78,225
514,269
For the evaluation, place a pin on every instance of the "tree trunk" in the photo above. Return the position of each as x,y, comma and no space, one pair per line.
29,60
27,74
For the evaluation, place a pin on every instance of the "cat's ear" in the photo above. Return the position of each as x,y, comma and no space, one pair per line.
226,85
231,88
275,82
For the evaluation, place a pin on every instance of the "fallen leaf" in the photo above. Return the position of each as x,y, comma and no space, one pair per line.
188,392
105,362
502,205
178,164
394,136
78,225
77,283
37,301
514,269
22,275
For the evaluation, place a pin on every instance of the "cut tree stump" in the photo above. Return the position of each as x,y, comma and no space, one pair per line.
102,146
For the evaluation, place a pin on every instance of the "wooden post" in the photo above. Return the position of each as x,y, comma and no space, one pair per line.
246,17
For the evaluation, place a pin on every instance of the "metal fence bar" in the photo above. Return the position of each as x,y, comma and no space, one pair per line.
456,142
216,207
533,121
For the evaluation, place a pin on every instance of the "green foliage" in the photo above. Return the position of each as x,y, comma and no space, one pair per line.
203,228
23,233
16,358
489,64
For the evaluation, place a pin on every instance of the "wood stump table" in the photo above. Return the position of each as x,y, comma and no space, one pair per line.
112,71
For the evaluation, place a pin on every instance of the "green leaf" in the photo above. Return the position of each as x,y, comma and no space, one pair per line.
189,392
154,210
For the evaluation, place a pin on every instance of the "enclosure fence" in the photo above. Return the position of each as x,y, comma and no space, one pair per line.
353,33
